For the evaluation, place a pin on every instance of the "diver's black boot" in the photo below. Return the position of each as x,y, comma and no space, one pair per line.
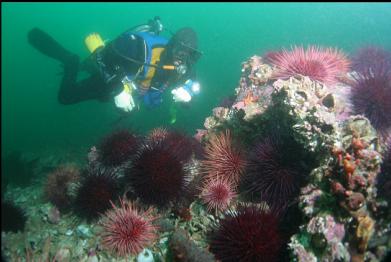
48,46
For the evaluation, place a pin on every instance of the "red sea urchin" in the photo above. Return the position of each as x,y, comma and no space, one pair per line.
117,148
217,193
94,192
222,158
127,230
321,64
247,234
157,134
160,171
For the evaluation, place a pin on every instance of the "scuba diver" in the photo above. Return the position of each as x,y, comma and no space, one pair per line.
136,67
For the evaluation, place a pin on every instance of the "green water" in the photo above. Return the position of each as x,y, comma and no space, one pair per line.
229,33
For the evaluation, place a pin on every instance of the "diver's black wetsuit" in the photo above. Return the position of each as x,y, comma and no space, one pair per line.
71,91
97,86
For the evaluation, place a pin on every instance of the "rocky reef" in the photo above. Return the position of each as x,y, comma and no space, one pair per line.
204,195
343,219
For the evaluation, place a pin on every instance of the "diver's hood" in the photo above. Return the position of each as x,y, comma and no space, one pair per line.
184,46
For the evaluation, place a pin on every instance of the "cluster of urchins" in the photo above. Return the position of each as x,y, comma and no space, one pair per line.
247,190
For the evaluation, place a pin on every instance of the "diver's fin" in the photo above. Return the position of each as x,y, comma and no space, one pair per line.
48,46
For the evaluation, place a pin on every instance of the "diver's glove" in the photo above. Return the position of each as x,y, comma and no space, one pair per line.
125,100
184,93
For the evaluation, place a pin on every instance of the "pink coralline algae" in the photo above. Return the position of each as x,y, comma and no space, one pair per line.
201,133
334,231
310,194
328,227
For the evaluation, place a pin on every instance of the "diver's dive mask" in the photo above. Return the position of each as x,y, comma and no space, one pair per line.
186,52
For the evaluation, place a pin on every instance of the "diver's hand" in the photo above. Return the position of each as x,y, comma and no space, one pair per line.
184,93
124,101
181,95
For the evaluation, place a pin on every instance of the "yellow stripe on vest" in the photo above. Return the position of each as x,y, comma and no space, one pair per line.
156,52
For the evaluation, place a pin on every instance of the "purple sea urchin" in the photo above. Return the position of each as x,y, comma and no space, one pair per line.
94,192
181,142
247,234
117,148
371,59
56,187
371,96
275,171
384,178
13,218
160,172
